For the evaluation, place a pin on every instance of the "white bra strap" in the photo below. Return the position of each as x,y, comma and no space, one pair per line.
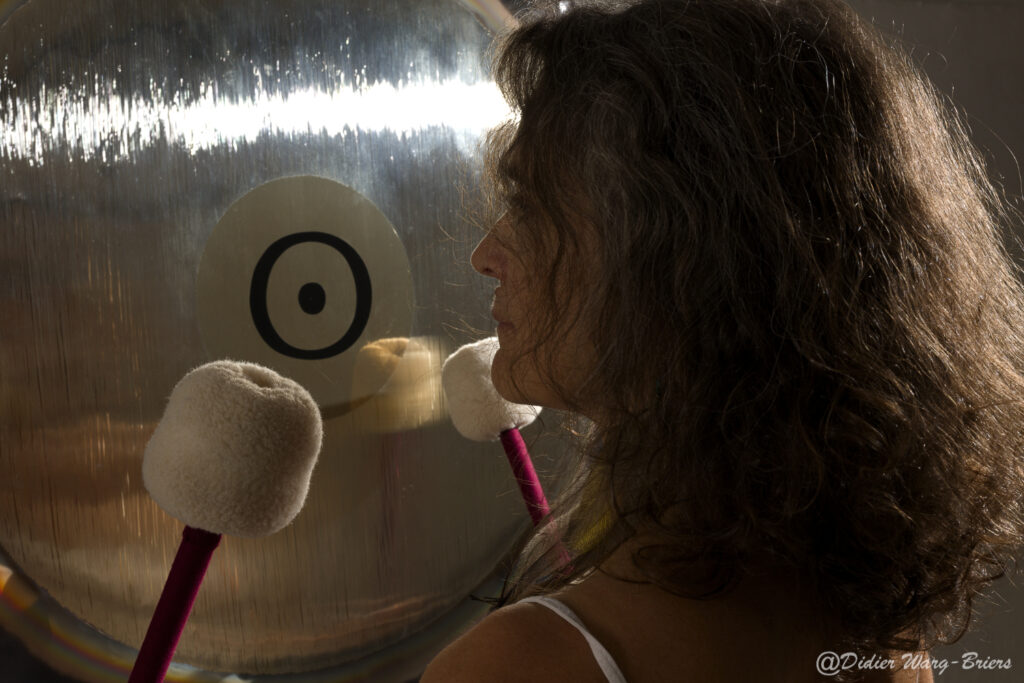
604,659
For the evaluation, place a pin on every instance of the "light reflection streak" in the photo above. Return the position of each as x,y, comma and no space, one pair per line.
102,123
493,13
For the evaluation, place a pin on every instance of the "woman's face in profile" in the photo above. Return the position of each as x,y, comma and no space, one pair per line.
528,362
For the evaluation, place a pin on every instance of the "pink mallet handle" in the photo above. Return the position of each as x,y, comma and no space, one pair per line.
529,483
175,604
526,476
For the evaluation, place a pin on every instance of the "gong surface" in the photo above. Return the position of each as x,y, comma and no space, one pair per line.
162,169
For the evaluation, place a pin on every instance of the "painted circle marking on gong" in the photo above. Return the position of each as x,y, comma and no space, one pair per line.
311,295
298,275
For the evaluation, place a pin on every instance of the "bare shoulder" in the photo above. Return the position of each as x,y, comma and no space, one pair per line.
521,642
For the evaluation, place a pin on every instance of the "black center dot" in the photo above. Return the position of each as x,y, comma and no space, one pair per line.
312,298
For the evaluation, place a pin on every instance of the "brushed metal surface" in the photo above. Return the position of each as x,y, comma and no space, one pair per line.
128,130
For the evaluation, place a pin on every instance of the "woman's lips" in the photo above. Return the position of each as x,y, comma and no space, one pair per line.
499,314
504,327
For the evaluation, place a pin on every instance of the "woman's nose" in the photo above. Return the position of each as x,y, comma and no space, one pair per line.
488,258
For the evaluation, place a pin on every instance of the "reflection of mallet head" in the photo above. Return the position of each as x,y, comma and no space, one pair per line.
402,377
481,414
233,454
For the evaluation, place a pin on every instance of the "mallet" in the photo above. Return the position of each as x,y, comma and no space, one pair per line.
479,413
233,454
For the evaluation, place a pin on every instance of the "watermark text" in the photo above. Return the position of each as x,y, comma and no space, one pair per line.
834,663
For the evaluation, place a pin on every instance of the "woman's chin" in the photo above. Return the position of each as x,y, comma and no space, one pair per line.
519,381
523,391
501,377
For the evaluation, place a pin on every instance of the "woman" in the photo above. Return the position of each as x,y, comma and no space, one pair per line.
746,242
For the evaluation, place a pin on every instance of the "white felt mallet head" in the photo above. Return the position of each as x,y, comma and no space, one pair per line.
478,412
235,450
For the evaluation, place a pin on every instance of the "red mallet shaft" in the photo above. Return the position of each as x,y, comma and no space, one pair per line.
175,605
529,483
525,474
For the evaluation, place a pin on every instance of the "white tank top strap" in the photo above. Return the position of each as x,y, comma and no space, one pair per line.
604,659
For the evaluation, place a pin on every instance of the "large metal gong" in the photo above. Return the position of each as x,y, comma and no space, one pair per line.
278,182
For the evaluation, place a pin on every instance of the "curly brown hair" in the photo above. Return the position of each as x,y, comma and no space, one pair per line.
809,331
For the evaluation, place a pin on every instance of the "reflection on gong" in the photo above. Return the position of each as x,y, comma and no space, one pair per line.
278,183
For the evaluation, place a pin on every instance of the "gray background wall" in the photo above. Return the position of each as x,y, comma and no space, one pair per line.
972,49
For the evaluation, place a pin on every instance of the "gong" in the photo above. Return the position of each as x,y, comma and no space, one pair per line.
279,182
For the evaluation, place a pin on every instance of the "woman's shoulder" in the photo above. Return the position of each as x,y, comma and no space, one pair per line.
764,630
518,642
